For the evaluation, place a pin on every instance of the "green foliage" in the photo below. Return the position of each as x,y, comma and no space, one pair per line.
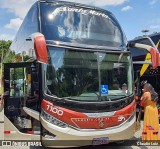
4,50
5,44
6,55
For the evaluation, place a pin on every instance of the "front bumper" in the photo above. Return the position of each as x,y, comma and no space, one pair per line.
69,137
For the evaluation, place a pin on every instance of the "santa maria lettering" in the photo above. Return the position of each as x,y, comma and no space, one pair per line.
79,10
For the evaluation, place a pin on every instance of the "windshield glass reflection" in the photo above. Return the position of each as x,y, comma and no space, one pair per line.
88,76
80,25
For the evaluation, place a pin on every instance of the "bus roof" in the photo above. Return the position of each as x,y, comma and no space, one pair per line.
153,38
154,34
146,36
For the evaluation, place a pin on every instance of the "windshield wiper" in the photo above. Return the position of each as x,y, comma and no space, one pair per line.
104,98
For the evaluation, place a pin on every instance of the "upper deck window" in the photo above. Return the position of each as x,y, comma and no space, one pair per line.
68,23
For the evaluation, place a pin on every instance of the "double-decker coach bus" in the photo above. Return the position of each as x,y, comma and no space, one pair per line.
70,62
146,70
142,59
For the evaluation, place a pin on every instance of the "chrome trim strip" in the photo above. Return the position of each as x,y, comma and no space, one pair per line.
106,50
98,115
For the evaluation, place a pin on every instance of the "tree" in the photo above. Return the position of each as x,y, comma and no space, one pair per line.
4,50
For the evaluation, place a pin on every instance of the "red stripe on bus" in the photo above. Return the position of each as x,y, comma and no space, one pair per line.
7,132
30,132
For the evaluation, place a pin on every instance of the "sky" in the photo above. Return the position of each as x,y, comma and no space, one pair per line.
133,15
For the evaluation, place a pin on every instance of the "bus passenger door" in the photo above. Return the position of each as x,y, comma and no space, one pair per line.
21,85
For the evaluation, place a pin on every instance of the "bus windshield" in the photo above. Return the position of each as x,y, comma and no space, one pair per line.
72,24
88,75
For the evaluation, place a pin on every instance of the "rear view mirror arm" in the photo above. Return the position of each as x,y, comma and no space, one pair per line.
153,51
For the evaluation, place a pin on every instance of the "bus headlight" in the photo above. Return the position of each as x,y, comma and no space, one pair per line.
52,119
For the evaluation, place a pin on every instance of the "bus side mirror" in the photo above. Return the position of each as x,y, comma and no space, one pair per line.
153,51
40,47
155,57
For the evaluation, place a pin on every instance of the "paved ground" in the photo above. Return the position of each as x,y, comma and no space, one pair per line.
124,145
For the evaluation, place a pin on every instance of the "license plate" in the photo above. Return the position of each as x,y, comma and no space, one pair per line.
100,141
